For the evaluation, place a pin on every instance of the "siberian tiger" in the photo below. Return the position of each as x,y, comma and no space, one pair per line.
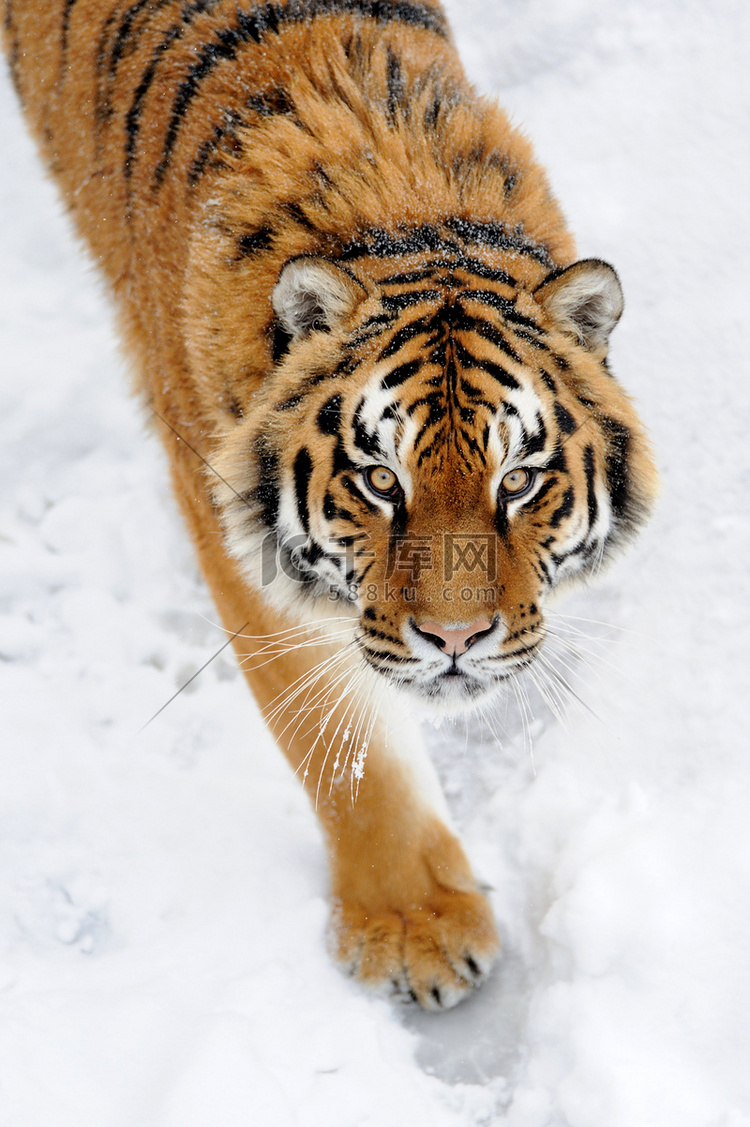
381,379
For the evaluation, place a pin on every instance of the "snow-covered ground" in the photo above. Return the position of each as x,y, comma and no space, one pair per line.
163,893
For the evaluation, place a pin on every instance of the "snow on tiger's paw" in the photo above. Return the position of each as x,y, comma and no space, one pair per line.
435,955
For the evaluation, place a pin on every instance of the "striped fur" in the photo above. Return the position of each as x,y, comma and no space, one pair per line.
335,265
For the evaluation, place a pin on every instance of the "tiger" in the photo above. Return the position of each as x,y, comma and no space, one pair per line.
354,311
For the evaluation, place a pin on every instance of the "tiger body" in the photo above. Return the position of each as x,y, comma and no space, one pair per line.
352,302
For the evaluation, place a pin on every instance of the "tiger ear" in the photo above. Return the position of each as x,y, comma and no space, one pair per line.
585,300
313,294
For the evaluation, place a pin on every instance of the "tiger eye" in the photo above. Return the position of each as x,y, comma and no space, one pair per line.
517,482
382,481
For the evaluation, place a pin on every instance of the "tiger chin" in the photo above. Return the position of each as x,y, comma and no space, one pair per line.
380,374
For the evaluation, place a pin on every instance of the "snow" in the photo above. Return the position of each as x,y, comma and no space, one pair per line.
163,892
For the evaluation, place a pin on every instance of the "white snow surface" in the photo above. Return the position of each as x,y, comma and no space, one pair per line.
163,892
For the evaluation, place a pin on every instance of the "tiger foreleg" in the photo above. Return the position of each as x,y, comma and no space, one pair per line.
408,918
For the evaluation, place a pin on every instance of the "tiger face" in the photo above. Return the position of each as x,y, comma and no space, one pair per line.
439,448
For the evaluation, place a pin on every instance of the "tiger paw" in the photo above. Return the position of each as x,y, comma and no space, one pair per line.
434,955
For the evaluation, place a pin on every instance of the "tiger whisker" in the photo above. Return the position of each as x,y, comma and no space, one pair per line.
365,747
550,694
350,688
523,705
319,703
570,618
304,681
360,755
323,724
298,628
574,648
567,687
272,653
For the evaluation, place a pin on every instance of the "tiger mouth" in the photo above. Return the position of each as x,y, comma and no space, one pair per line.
454,687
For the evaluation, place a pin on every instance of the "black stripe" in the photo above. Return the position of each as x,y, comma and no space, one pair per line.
487,273
497,373
396,302
475,395
382,636
617,467
506,307
125,30
383,244
103,105
428,450
373,327
330,508
352,541
400,375
222,135
280,342
387,656
437,409
297,214
334,512
509,184
267,493
311,553
290,403
535,342
565,420
329,416
564,509
133,116
395,80
456,261
496,235
541,493
409,277
342,461
488,332
68,6
502,523
366,442
540,567
302,473
406,333
558,461
432,111
253,241
362,575
252,27
171,36
524,650
580,549
536,442
588,464
351,488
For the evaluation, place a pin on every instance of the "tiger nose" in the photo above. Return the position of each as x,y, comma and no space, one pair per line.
454,640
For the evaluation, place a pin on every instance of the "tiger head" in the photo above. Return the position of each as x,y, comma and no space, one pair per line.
439,447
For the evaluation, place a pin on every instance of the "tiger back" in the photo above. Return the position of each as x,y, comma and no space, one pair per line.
354,309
